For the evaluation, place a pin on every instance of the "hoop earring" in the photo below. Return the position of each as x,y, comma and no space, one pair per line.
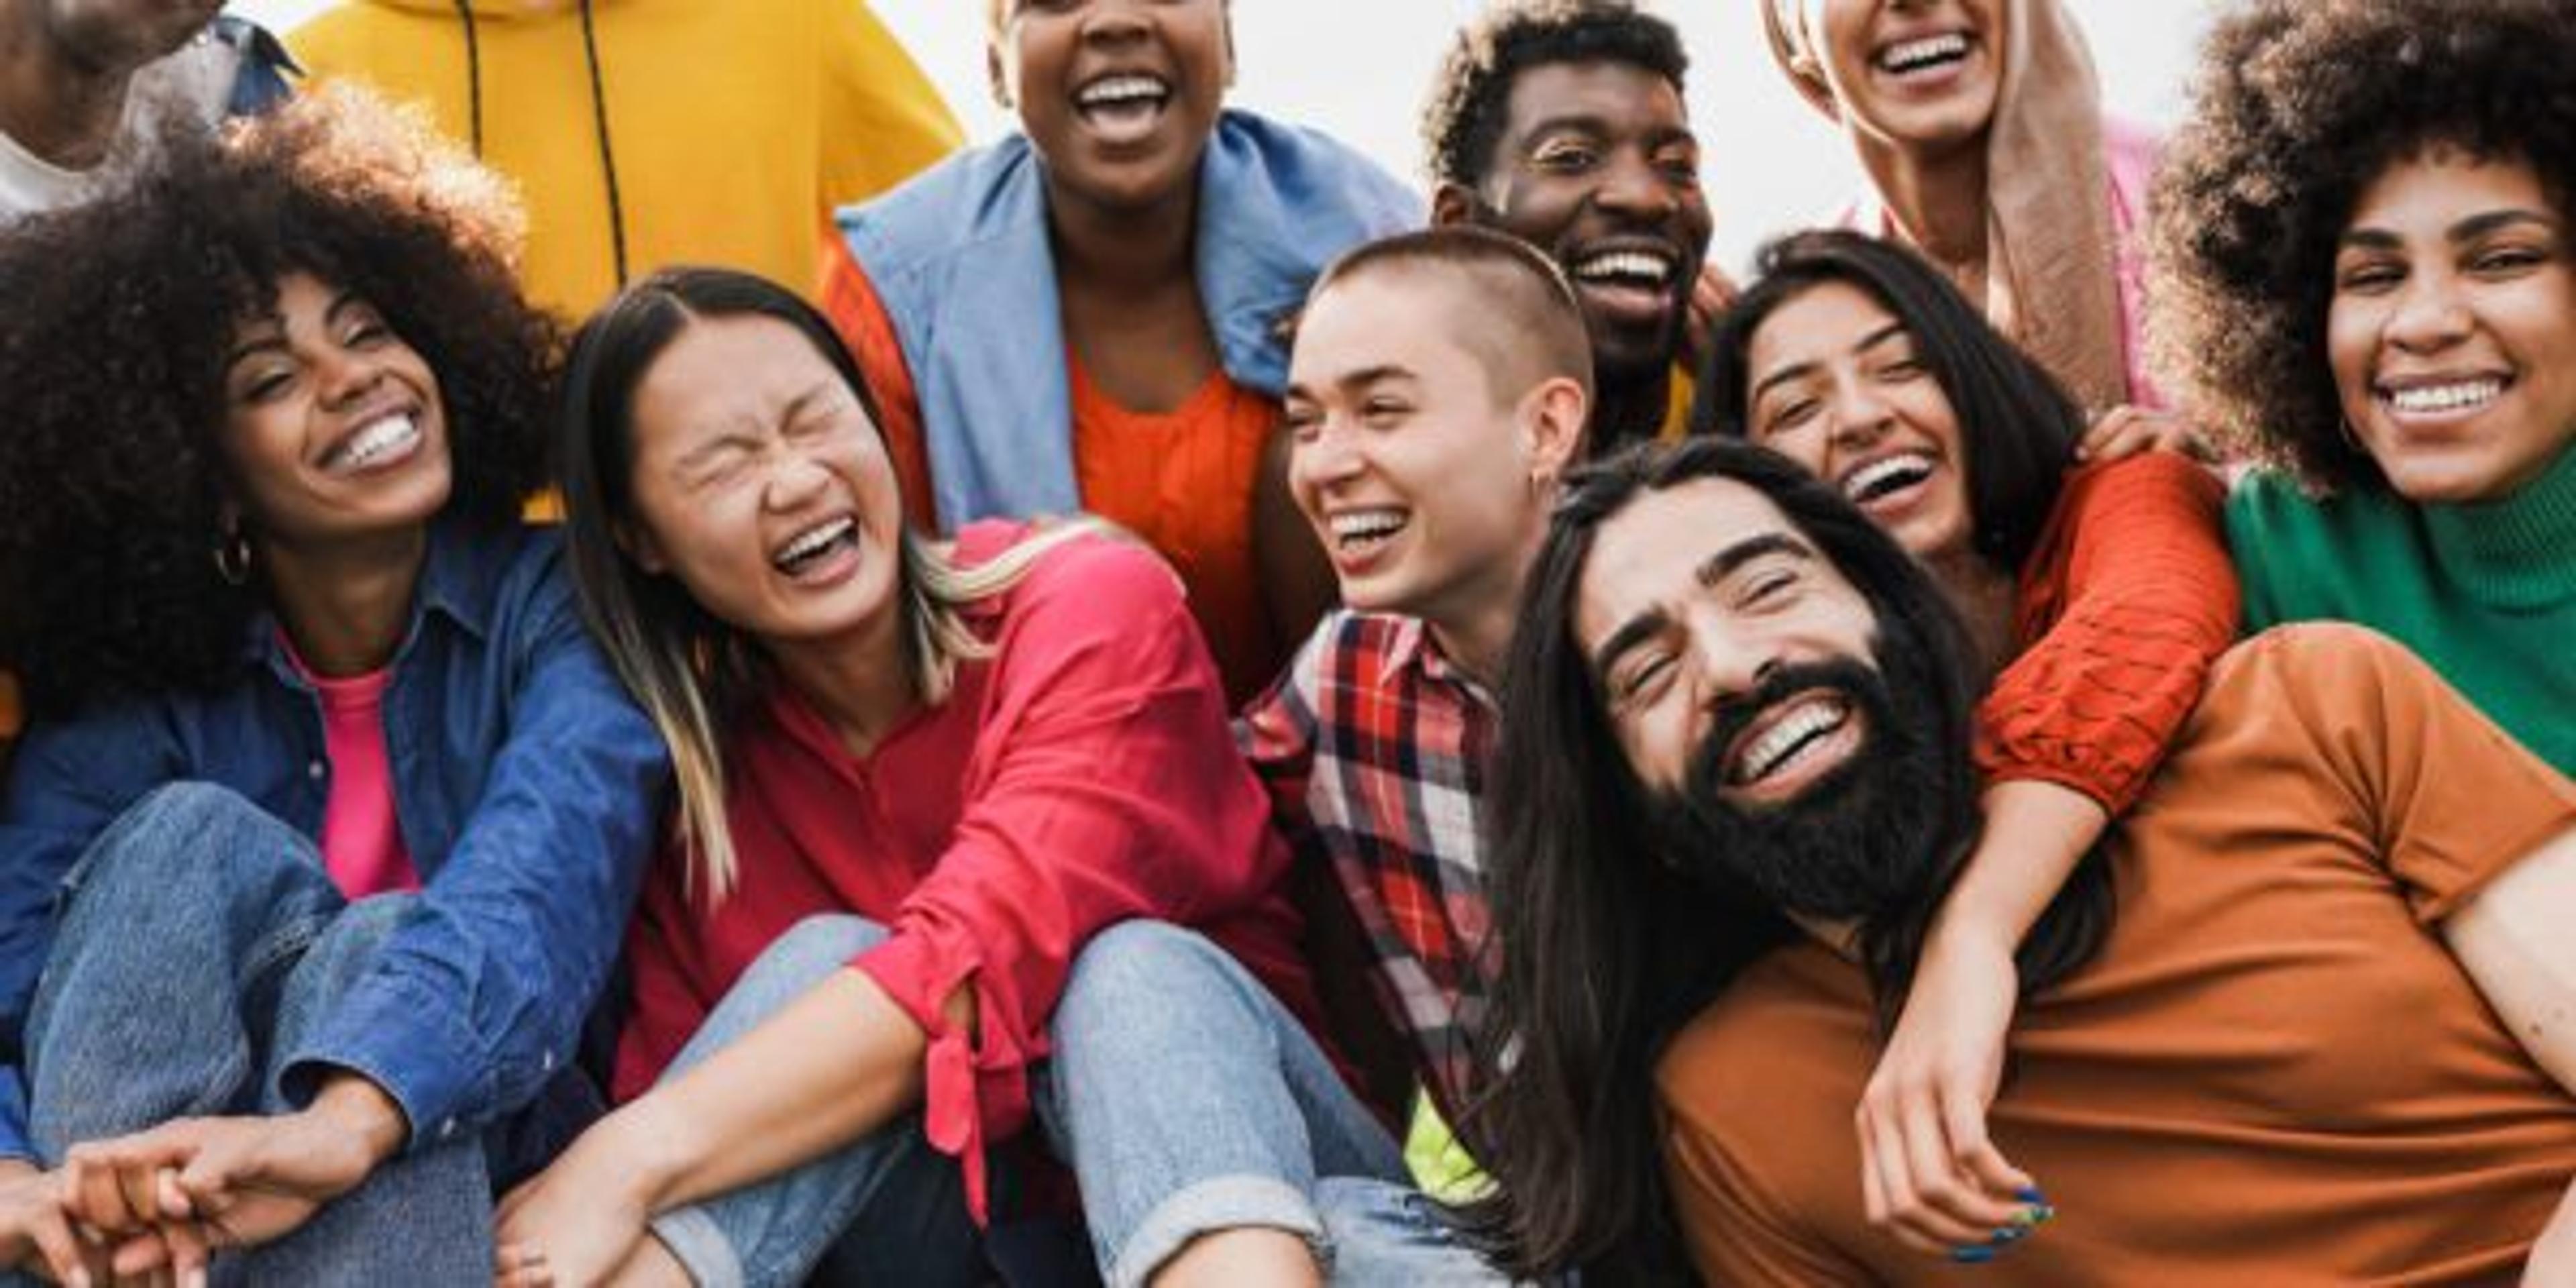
232,558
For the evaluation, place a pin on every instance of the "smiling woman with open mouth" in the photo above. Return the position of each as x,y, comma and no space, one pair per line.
2390,326
327,826
1084,316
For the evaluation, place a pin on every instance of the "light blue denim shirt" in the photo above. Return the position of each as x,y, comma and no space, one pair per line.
527,786
961,259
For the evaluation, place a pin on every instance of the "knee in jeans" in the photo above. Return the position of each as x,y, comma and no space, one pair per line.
813,948
1147,966
168,817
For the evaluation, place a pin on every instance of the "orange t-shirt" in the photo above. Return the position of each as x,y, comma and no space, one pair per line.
1181,481
2274,1073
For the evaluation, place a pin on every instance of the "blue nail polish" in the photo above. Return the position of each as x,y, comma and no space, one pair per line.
2030,1194
2011,1234
1972,1256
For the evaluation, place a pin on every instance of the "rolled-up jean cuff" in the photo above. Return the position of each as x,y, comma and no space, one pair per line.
1209,1206
701,1247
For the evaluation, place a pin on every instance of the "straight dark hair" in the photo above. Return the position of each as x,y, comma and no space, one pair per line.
2017,426
1606,950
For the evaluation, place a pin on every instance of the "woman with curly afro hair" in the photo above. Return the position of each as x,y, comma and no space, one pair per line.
328,816
2367,275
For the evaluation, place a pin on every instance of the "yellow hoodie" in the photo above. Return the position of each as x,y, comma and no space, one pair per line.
735,125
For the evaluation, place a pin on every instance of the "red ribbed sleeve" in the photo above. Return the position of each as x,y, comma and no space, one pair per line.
2123,606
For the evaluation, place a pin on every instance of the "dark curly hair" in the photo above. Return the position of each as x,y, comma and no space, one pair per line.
1462,122
2300,105
113,349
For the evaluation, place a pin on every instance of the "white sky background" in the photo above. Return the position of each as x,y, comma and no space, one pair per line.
1358,69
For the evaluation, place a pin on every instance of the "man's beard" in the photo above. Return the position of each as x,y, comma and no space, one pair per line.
1863,841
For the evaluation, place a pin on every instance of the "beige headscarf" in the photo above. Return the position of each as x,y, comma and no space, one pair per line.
2051,251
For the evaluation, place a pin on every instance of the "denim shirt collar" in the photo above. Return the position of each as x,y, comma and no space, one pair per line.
962,260
451,573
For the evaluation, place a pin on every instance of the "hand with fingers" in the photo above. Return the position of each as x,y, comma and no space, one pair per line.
573,1224
36,1231
171,1196
2126,430
1930,1175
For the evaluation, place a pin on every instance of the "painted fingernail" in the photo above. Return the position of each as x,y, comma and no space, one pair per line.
2030,1194
2011,1234
1976,1255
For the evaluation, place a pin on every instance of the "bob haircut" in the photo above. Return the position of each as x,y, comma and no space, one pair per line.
690,671
114,344
2017,426
2300,106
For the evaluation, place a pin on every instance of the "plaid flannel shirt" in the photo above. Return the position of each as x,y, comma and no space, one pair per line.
1374,748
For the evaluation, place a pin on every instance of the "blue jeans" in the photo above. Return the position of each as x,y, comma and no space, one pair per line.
886,1208
1189,1101
199,939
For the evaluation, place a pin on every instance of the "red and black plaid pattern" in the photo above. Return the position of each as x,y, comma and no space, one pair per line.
1374,749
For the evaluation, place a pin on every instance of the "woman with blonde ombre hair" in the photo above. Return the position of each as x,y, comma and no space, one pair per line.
918,781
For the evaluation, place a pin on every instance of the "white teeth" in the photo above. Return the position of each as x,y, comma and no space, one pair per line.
1916,53
814,540
1786,737
377,440
1886,474
2432,398
1362,525
1120,89
1649,268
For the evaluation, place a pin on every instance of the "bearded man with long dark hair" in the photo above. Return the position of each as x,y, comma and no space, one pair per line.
1732,787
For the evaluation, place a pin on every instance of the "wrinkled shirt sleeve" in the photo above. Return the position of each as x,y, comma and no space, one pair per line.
2149,601
1104,786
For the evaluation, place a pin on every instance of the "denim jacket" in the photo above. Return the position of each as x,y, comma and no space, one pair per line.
526,784
961,258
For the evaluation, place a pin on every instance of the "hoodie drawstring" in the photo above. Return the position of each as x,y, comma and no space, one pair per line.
598,114
607,157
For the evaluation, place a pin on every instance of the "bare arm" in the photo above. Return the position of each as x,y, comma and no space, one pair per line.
1929,1171
837,1063
2511,938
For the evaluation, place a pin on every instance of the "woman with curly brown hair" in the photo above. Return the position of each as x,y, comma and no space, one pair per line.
2366,246
328,818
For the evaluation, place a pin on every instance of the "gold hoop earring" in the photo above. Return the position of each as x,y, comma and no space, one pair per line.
232,558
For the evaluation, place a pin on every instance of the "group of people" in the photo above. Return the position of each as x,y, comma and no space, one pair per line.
1145,705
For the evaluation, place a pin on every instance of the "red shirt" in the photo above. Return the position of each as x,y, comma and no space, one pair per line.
1080,776
2125,602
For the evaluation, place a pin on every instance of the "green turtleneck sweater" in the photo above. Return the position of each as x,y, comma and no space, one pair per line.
2485,591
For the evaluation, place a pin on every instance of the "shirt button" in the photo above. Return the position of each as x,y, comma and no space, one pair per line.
447,1129
314,770
546,1062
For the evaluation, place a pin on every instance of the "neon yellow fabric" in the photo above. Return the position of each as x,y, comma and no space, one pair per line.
736,124
1440,1165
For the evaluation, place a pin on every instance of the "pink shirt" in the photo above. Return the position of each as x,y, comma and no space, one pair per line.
362,845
